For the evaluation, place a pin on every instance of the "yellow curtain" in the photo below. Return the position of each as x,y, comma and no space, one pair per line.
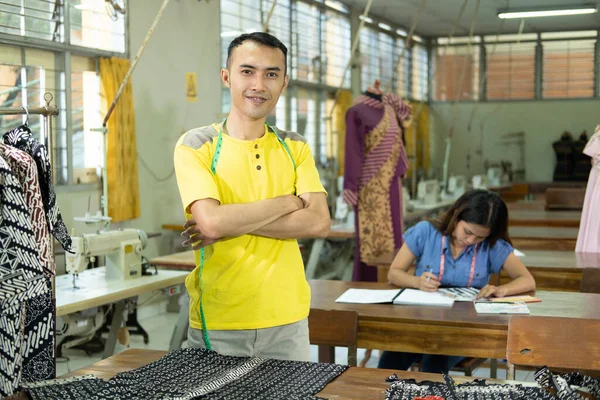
121,151
422,158
339,122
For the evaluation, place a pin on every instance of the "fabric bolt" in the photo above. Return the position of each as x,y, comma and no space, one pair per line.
375,161
22,139
588,238
200,374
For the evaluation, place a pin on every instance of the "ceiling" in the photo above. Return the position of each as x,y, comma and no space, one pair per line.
438,17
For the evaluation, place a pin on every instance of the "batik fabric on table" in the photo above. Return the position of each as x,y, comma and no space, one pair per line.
375,161
200,374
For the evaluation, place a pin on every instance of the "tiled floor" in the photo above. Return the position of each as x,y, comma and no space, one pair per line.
160,326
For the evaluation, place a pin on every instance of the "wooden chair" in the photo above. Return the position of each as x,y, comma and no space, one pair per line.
590,280
566,343
330,328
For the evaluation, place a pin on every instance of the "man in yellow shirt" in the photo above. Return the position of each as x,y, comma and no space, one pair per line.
251,190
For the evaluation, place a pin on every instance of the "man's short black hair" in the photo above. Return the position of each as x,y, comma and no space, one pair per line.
261,38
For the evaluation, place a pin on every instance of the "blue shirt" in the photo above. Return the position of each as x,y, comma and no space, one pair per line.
425,242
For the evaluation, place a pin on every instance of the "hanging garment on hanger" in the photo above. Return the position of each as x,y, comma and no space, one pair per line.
374,165
581,161
563,149
38,348
588,239
21,276
22,139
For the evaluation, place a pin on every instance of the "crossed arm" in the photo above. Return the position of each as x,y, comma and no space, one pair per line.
283,217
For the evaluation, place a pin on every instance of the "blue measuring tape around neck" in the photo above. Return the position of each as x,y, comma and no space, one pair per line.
213,168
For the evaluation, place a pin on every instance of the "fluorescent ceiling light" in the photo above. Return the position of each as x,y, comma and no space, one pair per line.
506,14
366,19
384,26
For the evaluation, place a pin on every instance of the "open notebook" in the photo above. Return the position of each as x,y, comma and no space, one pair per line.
396,296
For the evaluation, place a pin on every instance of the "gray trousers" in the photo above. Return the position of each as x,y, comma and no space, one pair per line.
286,342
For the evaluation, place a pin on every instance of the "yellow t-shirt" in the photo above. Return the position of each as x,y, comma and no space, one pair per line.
249,282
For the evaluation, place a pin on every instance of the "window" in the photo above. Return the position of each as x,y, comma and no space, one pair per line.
379,53
96,26
453,64
420,67
306,61
25,76
337,43
86,114
568,68
39,19
510,69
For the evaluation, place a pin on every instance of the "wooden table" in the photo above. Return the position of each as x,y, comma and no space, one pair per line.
545,218
94,289
354,384
179,261
456,330
543,238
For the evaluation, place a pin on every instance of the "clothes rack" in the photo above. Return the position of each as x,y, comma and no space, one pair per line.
48,111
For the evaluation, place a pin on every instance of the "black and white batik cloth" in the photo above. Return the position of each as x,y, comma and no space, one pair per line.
566,386
408,389
21,276
186,374
38,348
22,139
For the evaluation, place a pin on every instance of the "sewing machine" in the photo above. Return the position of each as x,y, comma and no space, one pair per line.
428,192
457,186
121,248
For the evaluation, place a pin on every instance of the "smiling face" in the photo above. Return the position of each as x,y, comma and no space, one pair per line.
466,234
256,78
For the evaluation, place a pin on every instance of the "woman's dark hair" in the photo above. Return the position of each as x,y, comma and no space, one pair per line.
261,38
480,207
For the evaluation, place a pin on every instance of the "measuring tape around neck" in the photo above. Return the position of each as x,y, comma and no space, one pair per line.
213,168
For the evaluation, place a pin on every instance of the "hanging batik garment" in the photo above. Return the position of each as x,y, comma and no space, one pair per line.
22,139
21,277
38,348
375,162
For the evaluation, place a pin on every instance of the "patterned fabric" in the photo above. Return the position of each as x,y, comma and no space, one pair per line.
22,139
408,389
563,384
384,160
38,349
200,374
21,275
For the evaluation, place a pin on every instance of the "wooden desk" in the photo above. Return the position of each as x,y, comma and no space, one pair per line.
543,238
354,384
95,290
179,261
545,218
434,330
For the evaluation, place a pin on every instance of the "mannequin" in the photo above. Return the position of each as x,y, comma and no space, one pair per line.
588,239
375,162
564,158
581,161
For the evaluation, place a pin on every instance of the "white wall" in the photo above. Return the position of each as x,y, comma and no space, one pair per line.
542,121
186,39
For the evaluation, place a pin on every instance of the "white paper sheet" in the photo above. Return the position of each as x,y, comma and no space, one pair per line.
367,296
421,298
501,308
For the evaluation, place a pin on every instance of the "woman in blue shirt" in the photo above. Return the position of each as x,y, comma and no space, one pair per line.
463,249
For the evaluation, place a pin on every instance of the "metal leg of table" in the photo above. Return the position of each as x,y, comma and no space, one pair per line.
183,321
117,321
313,259
493,368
